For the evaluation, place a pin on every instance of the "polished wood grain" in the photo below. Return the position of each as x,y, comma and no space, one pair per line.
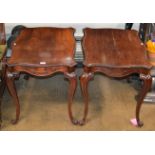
114,53
43,47
42,52
114,48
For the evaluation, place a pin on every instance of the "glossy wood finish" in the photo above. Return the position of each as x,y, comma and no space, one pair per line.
114,53
42,52
49,46
105,45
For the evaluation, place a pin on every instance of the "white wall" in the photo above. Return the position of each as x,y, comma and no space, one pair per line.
78,26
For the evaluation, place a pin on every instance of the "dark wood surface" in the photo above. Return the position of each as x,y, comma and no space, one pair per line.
42,52
43,46
114,48
114,53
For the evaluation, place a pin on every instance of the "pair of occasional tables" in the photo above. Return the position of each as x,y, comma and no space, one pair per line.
42,52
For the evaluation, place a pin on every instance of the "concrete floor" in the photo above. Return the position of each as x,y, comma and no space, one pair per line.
44,106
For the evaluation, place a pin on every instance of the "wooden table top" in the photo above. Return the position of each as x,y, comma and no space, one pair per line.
43,47
114,48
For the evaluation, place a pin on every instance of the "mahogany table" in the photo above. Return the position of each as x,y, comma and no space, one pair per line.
42,52
115,53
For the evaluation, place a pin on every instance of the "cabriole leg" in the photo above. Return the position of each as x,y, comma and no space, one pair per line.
72,88
147,81
12,89
84,79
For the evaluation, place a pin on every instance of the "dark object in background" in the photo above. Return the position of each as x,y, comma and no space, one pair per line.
14,33
16,30
145,31
128,26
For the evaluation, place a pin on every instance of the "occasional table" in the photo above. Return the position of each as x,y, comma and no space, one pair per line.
115,53
42,52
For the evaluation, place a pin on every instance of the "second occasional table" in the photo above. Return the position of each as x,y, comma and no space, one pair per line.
115,53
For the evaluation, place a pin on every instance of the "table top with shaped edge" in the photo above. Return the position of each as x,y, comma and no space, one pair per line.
43,46
114,48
